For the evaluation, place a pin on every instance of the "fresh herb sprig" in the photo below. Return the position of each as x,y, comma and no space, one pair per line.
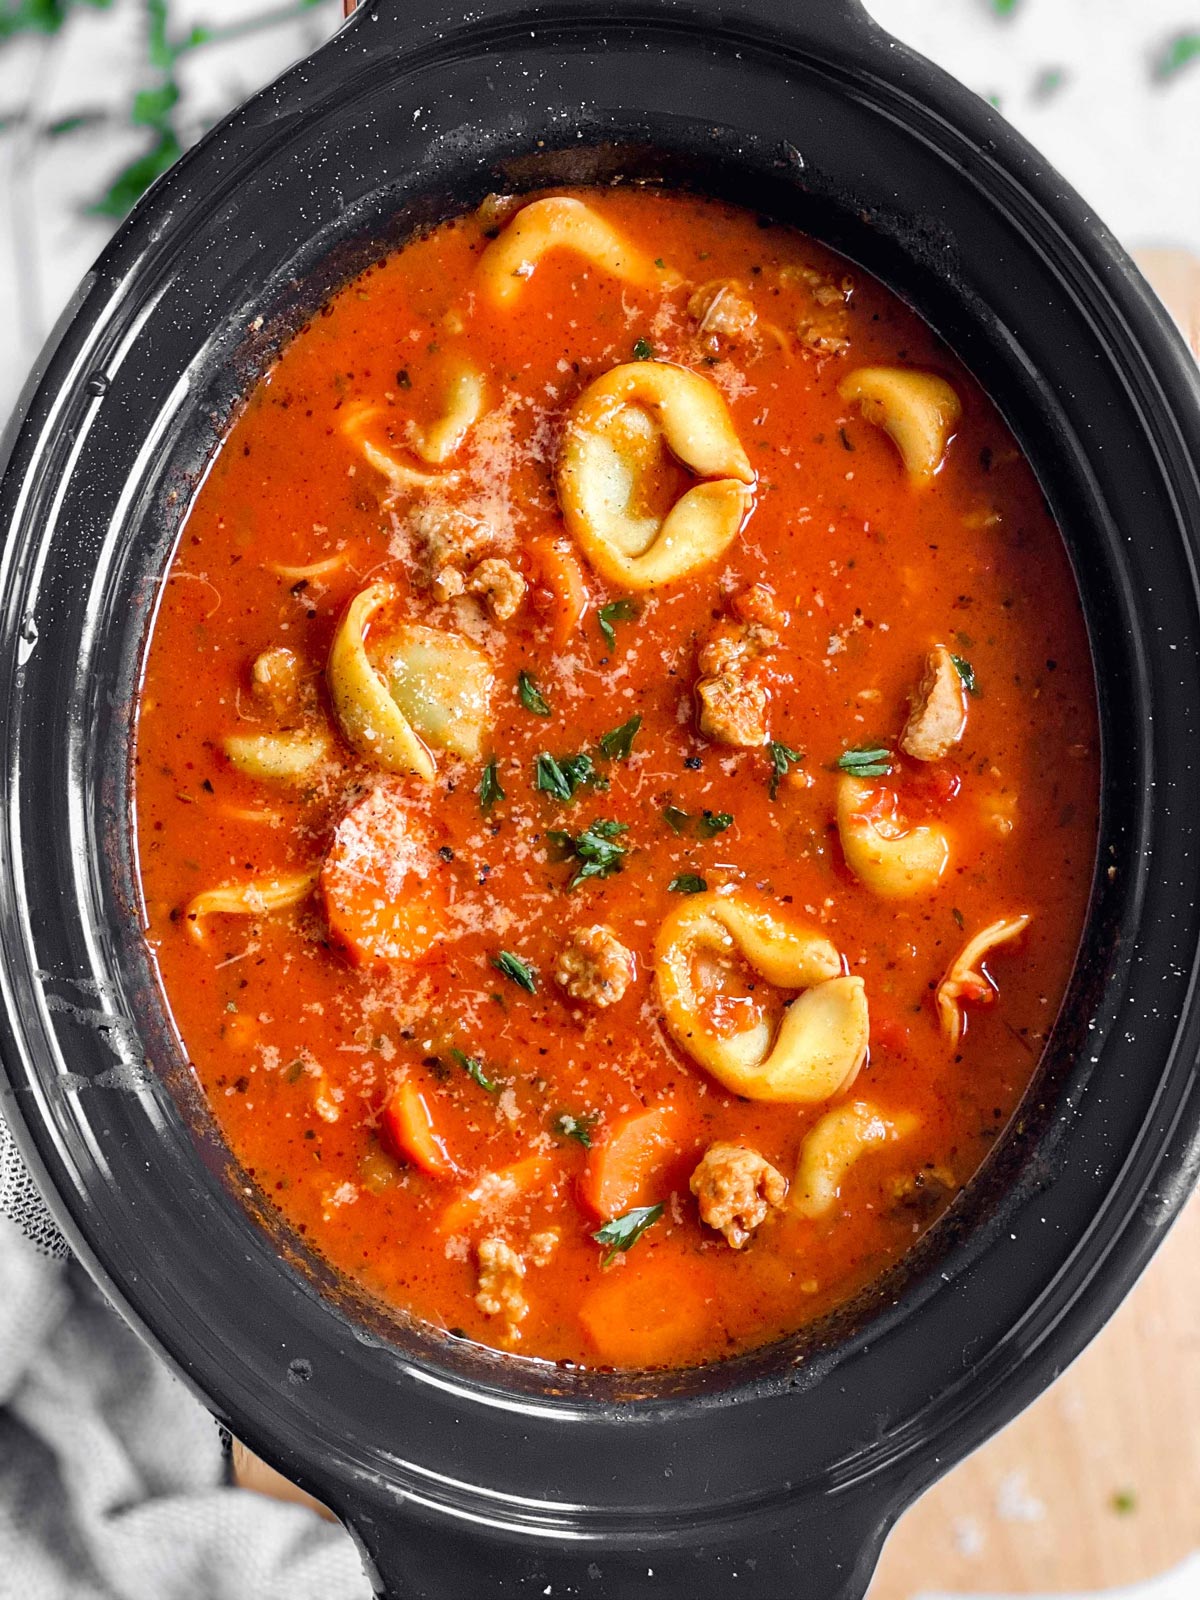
595,851
561,776
688,883
866,761
622,1233
569,1126
782,758
616,611
967,673
489,788
530,696
520,972
473,1068
706,826
617,743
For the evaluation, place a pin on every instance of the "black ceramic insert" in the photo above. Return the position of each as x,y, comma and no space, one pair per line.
463,1473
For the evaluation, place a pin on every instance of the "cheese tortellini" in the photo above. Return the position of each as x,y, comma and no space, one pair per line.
897,862
561,223
917,410
967,977
255,898
284,756
418,687
822,1038
629,433
464,406
401,478
832,1147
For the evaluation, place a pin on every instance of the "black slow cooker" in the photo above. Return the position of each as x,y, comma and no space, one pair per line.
465,1474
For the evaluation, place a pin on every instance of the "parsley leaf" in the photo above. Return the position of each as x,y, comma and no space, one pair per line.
618,742
577,1128
489,787
865,762
531,696
781,759
967,673
714,822
1176,54
616,611
521,973
594,850
561,776
675,819
622,1233
473,1068
643,350
688,883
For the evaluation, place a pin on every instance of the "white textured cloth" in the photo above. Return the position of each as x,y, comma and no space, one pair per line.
113,1479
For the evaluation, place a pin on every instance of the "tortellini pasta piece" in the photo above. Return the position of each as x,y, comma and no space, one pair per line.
400,476
464,407
917,410
822,1039
255,898
429,688
966,977
562,223
897,862
284,756
620,436
832,1147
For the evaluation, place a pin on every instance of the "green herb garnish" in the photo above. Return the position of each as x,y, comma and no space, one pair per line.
521,973
595,850
675,819
864,762
622,1233
713,822
577,1128
616,611
781,759
1176,54
618,742
1124,1502
643,350
489,787
688,883
473,1068
560,776
967,673
531,696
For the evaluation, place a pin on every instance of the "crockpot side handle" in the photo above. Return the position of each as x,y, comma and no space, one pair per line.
819,15
819,1550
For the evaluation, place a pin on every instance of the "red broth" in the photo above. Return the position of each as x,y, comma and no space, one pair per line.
453,1133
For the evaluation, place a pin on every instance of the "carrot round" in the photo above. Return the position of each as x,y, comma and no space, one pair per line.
648,1315
495,1192
383,896
409,1132
560,590
628,1166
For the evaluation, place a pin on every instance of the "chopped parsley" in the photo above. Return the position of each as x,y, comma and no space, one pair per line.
1176,54
622,1233
489,787
560,776
688,883
572,1127
595,850
473,1068
675,819
521,973
967,673
713,822
1124,1502
643,350
618,742
531,696
866,762
616,611
781,759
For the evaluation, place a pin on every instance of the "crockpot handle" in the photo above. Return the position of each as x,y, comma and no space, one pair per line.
825,1551
817,13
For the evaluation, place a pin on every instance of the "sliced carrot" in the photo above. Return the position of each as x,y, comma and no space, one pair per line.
384,896
560,590
631,1165
409,1132
496,1192
652,1314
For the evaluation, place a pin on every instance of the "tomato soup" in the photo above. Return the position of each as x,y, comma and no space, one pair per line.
616,779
